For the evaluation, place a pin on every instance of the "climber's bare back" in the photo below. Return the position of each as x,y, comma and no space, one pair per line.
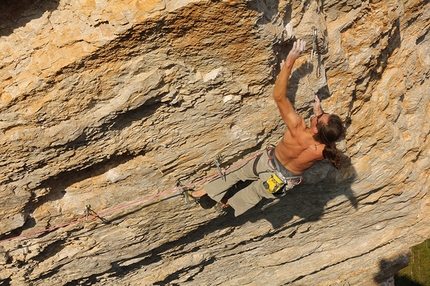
299,152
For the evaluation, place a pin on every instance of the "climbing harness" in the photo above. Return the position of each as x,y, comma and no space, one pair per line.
280,181
254,165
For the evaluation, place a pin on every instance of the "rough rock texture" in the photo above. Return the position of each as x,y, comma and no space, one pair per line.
110,103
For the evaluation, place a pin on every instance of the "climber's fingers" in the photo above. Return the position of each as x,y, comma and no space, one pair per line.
298,47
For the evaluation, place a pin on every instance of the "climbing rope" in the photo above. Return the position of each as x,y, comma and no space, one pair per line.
90,214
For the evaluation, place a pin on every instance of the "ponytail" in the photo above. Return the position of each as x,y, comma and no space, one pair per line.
331,153
328,134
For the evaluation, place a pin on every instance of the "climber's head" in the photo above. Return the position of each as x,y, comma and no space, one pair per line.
328,128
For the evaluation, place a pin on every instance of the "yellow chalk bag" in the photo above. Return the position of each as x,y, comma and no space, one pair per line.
274,184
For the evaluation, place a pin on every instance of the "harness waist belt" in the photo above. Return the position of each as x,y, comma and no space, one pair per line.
281,168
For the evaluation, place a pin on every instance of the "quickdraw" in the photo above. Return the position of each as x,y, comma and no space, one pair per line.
315,53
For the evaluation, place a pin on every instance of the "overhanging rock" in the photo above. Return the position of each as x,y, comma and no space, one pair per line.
106,105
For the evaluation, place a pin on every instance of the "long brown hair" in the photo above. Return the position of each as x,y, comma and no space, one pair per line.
328,134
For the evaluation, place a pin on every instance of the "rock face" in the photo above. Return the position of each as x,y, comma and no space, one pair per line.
106,105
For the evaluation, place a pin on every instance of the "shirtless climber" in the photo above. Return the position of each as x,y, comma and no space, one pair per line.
282,166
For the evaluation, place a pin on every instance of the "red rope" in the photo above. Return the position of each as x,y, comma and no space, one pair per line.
107,211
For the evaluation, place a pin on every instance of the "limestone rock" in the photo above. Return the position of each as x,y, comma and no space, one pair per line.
106,105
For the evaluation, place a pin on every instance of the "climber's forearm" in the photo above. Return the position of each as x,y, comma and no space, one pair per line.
281,83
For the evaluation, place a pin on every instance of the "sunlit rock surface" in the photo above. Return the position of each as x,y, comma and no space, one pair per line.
106,105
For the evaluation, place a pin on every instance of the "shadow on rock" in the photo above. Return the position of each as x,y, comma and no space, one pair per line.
307,201
17,13
389,268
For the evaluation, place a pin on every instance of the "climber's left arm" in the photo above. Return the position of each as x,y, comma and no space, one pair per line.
289,115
